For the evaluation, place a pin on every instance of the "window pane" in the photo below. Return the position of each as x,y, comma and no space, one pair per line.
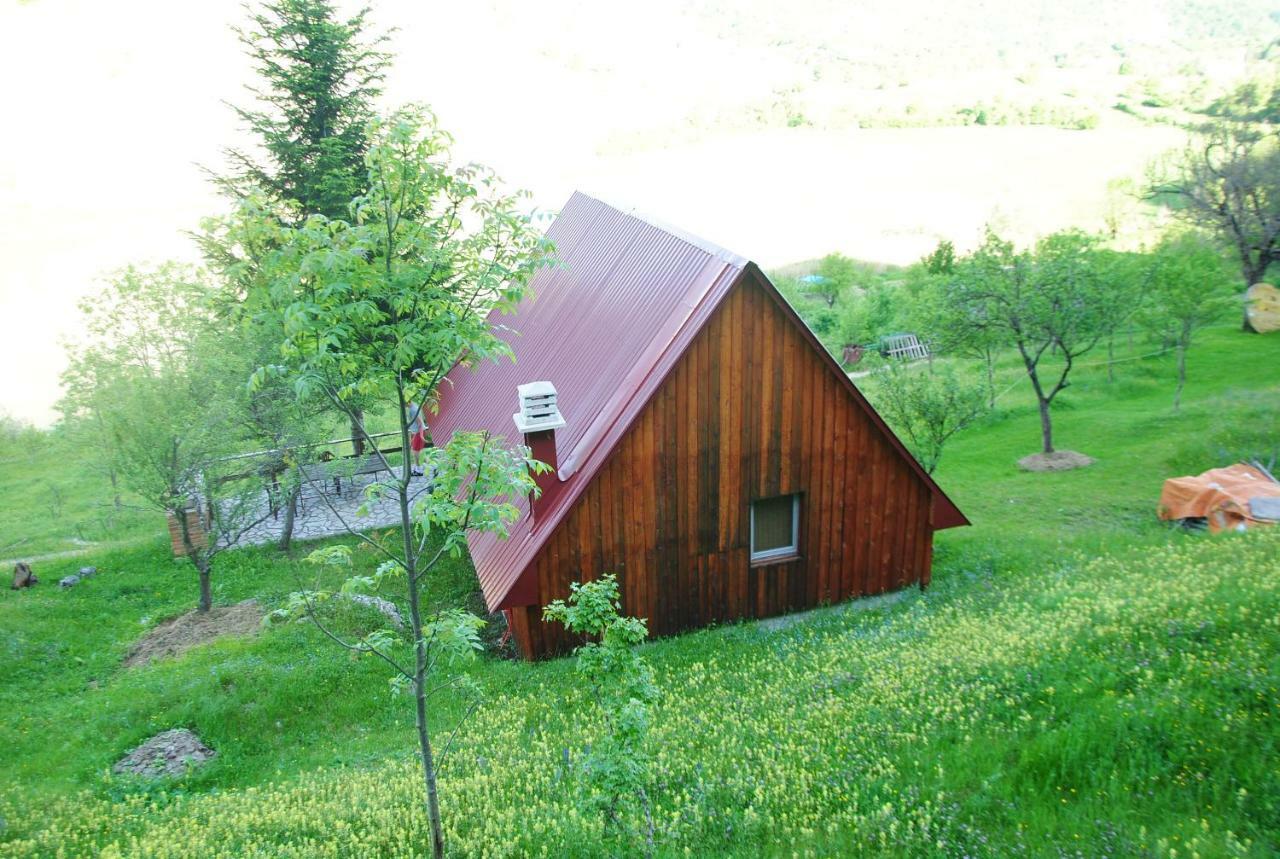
773,526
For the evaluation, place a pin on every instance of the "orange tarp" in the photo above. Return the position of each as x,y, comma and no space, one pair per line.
1220,495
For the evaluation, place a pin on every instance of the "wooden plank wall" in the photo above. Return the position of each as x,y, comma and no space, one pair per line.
749,412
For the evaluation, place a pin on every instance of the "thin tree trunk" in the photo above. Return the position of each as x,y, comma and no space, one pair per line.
1046,426
197,557
420,699
1111,357
357,435
991,378
290,516
206,589
419,647
1182,374
424,745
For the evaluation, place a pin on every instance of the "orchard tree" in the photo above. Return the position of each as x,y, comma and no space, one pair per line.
148,371
1187,290
1051,304
1125,276
1227,182
836,275
378,310
926,408
953,322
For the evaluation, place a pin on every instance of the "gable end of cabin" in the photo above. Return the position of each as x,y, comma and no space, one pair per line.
753,483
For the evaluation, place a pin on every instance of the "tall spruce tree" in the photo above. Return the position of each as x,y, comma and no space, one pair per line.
318,78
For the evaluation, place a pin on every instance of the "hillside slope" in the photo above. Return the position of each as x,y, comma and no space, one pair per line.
1079,681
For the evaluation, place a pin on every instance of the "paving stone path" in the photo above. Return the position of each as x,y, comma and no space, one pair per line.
322,508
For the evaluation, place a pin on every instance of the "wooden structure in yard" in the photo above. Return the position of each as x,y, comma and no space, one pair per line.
904,347
198,526
708,450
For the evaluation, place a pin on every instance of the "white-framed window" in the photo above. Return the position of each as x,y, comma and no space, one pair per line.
775,527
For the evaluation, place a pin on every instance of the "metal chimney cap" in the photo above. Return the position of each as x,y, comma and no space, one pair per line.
539,409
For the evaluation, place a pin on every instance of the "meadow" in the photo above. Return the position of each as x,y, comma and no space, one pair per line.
1080,680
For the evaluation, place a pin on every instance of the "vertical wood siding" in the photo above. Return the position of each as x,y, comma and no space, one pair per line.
749,412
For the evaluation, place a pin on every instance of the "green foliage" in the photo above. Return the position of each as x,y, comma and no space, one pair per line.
622,686
475,481
1227,182
319,79
1256,100
151,383
836,275
1189,289
942,259
869,313
926,409
1052,301
377,310
391,301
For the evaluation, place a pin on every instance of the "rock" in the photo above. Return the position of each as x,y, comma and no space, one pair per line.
165,755
387,607
23,577
68,581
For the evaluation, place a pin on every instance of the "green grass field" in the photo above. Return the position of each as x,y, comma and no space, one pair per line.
1079,681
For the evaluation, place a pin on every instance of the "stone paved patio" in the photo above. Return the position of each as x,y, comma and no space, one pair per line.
322,508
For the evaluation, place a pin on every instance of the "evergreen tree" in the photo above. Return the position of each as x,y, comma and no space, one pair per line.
319,78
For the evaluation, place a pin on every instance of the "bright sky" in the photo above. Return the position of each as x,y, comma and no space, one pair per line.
113,105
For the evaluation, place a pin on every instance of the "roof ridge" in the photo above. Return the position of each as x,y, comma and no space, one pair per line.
691,239
633,384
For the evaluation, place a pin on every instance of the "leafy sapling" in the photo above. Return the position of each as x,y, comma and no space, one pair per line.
374,312
476,481
621,684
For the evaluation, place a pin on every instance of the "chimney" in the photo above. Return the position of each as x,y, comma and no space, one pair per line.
538,419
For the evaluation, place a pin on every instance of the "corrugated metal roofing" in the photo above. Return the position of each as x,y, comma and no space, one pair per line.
605,326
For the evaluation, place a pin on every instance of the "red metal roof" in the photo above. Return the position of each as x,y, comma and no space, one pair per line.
605,327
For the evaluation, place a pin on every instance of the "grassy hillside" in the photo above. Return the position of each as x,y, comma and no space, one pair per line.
1079,681
55,500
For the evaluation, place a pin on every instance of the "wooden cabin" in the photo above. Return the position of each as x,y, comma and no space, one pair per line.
707,448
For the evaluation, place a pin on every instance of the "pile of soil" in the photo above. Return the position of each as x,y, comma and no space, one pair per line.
165,755
1059,460
194,628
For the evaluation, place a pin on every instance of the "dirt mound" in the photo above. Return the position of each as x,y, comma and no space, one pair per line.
165,755
194,628
1059,460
